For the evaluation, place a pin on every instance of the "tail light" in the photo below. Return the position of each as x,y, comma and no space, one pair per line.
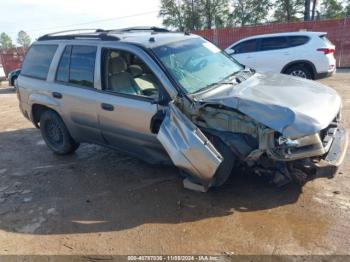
326,51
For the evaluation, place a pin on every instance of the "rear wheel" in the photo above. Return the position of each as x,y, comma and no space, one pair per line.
299,71
55,133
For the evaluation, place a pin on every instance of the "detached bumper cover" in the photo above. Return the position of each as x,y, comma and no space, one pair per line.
330,162
337,151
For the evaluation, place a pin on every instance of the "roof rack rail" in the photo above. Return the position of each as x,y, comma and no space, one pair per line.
94,34
142,28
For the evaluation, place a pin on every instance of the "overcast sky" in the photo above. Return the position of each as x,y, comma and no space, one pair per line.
38,17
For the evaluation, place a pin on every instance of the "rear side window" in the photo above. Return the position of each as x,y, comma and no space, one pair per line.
273,43
77,65
63,67
38,60
246,46
297,40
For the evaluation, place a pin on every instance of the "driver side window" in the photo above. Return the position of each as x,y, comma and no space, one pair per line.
125,73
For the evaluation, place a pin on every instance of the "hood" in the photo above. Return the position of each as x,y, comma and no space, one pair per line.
293,106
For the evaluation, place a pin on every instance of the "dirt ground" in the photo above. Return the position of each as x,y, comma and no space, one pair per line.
99,201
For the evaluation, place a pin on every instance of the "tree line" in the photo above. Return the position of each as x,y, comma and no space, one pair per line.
206,14
23,39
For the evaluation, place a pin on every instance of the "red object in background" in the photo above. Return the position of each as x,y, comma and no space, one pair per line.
338,32
12,58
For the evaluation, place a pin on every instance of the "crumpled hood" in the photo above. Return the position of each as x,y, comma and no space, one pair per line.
292,106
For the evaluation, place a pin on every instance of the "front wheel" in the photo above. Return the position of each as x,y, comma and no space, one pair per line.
55,134
224,171
12,81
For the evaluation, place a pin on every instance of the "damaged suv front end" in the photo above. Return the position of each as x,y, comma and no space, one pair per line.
280,126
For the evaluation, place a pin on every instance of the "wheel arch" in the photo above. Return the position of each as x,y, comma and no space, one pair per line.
36,110
12,80
39,102
308,63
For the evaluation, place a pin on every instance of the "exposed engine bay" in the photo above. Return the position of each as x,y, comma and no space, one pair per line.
265,151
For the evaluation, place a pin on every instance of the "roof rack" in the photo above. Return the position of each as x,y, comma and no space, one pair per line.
142,28
67,35
99,33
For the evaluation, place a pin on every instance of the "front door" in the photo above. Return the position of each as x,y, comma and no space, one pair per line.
126,105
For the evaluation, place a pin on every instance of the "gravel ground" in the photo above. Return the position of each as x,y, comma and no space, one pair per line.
99,201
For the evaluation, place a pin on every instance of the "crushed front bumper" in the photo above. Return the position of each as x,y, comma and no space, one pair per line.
330,162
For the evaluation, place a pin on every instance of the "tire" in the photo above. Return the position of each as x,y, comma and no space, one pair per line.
13,79
55,134
224,171
300,71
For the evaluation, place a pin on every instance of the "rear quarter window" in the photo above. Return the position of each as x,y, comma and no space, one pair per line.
38,60
298,40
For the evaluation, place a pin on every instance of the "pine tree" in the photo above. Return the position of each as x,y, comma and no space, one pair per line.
6,41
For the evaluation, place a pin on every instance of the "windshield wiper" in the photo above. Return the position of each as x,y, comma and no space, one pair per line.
223,81
212,85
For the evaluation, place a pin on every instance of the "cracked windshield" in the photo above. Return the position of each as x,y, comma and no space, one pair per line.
196,64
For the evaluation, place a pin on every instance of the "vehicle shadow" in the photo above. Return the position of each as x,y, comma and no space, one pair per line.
98,190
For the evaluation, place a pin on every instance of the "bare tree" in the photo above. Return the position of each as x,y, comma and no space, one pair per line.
23,39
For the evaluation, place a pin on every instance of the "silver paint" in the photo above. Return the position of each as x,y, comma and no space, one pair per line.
293,106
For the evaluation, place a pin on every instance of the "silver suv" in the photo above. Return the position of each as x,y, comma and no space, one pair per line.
176,98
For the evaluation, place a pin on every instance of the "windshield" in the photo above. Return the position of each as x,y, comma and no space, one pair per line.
196,63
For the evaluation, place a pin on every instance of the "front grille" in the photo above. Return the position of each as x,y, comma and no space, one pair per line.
330,129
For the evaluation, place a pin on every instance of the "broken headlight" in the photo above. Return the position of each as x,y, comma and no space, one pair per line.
287,142
299,142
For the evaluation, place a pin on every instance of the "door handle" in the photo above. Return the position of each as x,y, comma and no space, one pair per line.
57,95
107,107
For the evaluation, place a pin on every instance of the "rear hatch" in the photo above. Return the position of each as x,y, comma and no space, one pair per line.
328,49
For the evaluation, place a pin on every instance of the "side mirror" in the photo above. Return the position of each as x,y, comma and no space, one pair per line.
160,101
232,51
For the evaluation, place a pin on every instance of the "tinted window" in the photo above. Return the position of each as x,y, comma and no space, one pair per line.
297,40
82,65
246,47
272,43
77,65
37,61
63,67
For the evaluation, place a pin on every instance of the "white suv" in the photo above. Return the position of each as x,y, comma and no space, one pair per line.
304,54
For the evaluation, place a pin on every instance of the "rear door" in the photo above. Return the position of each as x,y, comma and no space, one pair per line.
187,146
273,54
74,89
